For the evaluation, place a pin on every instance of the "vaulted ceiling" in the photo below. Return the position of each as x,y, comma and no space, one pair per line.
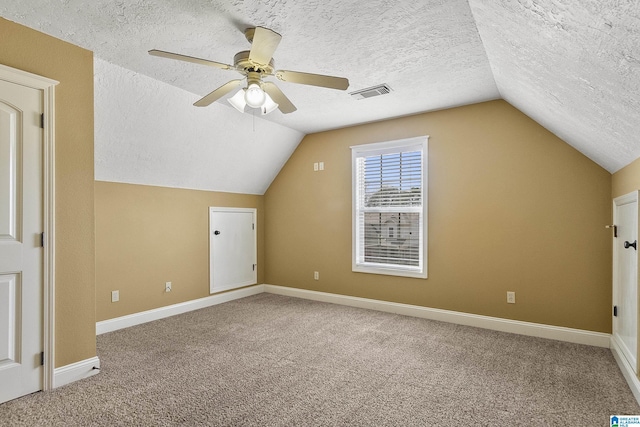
572,65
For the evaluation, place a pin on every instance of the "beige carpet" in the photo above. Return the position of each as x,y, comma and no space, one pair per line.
270,360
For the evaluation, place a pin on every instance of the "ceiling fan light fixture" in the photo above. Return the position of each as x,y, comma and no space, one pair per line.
254,96
238,101
268,106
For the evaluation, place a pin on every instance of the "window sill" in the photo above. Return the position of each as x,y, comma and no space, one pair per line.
389,271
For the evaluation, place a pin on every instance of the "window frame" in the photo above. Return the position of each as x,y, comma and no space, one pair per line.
381,148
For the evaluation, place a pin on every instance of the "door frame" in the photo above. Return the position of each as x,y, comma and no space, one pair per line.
47,86
631,197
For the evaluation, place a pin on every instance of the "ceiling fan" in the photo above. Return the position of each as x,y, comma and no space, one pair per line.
255,64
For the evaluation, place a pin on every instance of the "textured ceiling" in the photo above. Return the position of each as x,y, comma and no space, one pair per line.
572,65
429,52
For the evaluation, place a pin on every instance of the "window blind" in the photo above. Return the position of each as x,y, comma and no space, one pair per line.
388,206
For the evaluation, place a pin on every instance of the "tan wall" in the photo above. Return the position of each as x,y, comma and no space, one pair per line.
72,66
626,179
511,208
146,236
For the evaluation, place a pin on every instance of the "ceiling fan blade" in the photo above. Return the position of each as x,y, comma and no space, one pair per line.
313,79
279,98
265,42
218,93
186,58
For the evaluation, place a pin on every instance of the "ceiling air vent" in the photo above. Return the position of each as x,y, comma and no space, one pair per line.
370,92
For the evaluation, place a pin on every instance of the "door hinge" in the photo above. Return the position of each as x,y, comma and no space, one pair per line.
615,311
42,120
253,226
615,229
42,239
254,267
42,359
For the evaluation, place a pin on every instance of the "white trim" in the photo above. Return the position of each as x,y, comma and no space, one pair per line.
76,371
579,336
418,143
171,310
47,86
628,198
391,146
49,229
625,368
25,78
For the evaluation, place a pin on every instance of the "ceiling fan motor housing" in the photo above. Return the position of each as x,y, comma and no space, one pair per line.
244,65
254,77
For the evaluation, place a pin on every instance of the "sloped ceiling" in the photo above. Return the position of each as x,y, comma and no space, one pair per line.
572,65
145,135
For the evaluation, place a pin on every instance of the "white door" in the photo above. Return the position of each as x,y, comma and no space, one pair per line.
625,276
232,248
21,254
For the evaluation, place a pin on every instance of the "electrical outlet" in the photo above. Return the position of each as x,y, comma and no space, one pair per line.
115,296
316,275
321,166
511,297
167,287
315,167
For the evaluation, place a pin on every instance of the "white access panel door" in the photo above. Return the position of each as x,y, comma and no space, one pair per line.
232,248
625,277
21,254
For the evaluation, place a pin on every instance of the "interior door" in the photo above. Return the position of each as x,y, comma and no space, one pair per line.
21,254
625,277
232,248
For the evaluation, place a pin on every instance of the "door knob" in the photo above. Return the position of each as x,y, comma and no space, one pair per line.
633,245
218,232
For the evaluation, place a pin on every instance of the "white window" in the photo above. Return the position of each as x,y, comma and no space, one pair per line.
390,207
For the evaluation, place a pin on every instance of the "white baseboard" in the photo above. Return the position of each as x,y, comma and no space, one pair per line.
559,333
578,336
75,371
626,369
171,310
